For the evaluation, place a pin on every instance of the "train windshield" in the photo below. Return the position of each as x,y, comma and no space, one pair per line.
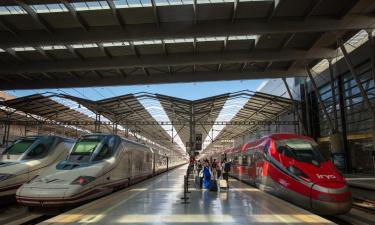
301,150
85,148
20,146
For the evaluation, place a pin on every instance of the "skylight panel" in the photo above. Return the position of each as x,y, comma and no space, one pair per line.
149,42
49,8
179,40
353,43
89,45
227,113
2,50
11,10
114,44
155,109
23,49
53,47
80,6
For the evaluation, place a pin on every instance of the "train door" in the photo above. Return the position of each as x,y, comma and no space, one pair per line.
258,167
260,163
252,166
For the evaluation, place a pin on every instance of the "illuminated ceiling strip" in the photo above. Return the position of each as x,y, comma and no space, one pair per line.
143,42
103,5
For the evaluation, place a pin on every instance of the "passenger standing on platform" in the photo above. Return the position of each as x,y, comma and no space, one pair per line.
226,165
218,168
206,176
213,169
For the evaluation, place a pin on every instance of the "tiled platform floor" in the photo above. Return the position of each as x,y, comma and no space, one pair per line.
157,201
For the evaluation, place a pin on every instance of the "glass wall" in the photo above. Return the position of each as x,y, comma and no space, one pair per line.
359,123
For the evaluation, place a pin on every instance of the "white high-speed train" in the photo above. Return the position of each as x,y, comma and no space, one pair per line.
26,158
98,164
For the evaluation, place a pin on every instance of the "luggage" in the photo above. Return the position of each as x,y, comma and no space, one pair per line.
198,182
213,185
223,184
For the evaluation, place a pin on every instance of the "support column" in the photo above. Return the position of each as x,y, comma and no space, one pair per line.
6,131
307,109
192,130
321,103
348,166
371,43
349,63
334,103
295,106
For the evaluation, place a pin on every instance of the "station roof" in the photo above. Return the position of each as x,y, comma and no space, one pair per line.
58,43
40,108
260,110
204,113
126,110
131,113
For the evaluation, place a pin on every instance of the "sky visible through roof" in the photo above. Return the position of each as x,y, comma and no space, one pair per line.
190,91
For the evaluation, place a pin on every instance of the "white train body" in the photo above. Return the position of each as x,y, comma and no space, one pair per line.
27,157
98,164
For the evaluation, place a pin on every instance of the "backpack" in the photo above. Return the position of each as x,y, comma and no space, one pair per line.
227,167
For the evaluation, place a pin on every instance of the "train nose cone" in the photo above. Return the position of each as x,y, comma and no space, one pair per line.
328,198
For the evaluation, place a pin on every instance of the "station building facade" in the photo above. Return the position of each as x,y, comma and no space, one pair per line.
351,144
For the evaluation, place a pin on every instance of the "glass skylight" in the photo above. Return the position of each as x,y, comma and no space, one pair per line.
90,5
24,49
89,45
11,10
49,8
229,110
53,47
350,45
154,107
103,5
141,42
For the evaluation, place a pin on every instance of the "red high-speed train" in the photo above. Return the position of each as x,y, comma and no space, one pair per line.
291,166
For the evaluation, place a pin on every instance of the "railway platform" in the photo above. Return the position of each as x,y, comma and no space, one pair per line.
158,201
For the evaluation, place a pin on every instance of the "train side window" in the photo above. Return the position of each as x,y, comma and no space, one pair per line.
235,160
244,160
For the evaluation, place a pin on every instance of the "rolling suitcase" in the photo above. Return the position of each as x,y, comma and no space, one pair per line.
198,182
213,186
223,184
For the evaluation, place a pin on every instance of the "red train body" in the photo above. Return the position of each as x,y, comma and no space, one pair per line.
290,166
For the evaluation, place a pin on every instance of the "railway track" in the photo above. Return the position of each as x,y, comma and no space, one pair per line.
364,205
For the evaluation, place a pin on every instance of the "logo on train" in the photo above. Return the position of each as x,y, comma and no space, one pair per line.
326,176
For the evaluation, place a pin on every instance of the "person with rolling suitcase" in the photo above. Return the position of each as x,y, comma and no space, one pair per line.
226,167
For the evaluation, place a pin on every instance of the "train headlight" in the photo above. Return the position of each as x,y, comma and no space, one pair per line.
5,176
83,180
294,170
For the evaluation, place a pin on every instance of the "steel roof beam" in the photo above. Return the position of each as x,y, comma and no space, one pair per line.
234,13
76,15
36,17
155,11
116,13
156,60
195,11
311,8
135,32
152,79
15,55
273,9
